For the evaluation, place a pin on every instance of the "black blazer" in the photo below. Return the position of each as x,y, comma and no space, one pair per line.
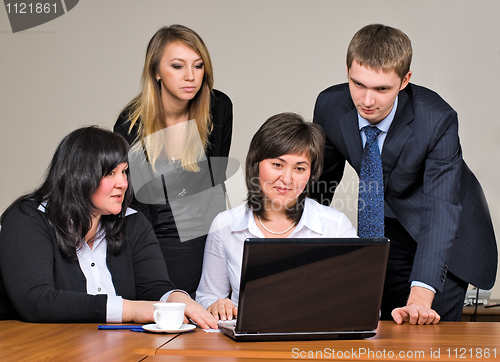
221,110
428,187
40,284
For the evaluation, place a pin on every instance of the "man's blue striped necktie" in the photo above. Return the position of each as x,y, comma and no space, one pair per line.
371,188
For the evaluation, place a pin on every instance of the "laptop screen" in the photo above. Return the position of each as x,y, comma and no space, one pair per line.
311,285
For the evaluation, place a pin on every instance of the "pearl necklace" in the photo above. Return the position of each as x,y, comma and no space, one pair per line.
274,232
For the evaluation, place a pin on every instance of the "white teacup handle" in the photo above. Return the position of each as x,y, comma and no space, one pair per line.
157,312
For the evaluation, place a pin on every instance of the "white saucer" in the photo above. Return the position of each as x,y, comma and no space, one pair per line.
155,329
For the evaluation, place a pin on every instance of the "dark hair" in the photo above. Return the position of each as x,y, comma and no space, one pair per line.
283,134
80,162
378,46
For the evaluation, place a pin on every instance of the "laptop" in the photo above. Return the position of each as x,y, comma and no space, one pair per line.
309,289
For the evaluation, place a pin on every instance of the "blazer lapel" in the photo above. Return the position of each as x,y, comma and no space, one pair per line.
398,134
350,131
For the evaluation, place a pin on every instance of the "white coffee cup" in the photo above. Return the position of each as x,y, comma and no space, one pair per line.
169,316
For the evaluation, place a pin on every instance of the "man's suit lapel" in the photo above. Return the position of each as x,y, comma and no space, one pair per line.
398,134
350,131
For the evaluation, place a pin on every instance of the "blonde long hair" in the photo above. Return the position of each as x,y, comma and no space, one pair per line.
148,106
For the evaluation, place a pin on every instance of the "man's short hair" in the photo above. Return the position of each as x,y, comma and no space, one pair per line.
381,47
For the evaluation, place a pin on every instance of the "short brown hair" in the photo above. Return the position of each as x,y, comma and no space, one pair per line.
283,134
378,46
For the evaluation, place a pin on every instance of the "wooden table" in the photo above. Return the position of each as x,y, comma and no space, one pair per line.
21,341
162,358
450,341
84,342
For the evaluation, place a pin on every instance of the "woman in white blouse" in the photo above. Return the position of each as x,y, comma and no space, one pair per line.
284,158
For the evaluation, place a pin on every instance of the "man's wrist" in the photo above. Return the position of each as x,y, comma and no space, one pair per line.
421,296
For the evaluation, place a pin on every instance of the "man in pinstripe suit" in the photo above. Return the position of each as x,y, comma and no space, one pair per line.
436,216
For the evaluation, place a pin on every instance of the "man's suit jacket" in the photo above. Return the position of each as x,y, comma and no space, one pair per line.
427,185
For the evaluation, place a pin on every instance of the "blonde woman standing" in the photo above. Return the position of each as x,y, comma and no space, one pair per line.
180,130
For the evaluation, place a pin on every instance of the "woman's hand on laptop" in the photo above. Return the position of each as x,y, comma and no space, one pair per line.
223,309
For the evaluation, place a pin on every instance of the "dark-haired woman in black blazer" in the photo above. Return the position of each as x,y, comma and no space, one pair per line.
71,251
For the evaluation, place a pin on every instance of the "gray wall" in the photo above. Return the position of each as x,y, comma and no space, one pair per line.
269,56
